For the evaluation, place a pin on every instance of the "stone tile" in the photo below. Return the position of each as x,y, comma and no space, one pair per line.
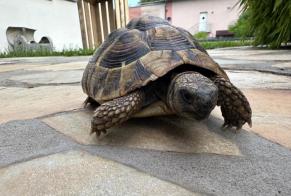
266,57
14,67
43,66
78,173
263,170
50,77
22,140
254,79
283,65
43,60
248,53
61,66
271,114
26,103
160,133
75,125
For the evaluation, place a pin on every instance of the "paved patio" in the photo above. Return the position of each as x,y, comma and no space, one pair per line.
46,148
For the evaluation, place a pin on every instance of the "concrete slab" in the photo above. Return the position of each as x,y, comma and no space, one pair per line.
79,173
24,140
160,133
263,170
265,57
49,60
248,58
45,67
14,67
26,103
52,77
61,66
254,79
271,114
283,65
249,53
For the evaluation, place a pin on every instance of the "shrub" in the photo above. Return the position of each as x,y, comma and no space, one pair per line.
269,20
201,35
242,27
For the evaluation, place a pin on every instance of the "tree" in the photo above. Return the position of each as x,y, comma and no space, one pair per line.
270,21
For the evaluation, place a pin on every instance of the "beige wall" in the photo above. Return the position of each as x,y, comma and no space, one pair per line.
153,10
220,14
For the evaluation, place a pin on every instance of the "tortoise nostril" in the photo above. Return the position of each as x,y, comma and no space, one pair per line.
186,96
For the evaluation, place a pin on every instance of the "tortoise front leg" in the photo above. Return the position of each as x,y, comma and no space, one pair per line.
114,112
235,107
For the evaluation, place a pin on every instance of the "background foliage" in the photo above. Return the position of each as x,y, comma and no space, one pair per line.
201,35
269,20
146,1
242,28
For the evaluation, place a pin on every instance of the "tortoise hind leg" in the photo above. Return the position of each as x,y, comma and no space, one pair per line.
235,107
90,102
116,111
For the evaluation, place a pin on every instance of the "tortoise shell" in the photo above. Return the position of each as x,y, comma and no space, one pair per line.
148,48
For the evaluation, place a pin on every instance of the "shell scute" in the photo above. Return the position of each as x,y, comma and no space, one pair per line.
167,38
111,87
129,47
160,62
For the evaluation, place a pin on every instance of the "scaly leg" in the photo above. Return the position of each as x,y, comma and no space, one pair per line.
235,107
116,111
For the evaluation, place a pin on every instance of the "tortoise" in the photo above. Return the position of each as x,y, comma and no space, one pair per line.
152,68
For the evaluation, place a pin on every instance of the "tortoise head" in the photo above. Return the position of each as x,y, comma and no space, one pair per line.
192,95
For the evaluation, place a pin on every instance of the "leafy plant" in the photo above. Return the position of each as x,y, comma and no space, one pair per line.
269,20
242,28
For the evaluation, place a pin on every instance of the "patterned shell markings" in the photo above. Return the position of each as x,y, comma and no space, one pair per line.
148,48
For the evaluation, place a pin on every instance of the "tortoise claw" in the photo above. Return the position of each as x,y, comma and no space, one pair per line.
237,126
98,131
224,126
250,123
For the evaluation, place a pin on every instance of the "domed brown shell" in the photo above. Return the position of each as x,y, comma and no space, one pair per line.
131,57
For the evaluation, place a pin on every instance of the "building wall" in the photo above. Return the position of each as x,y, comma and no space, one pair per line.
221,14
57,19
134,12
150,9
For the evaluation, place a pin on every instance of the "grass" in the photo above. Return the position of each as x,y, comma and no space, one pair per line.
201,35
85,52
38,53
224,44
